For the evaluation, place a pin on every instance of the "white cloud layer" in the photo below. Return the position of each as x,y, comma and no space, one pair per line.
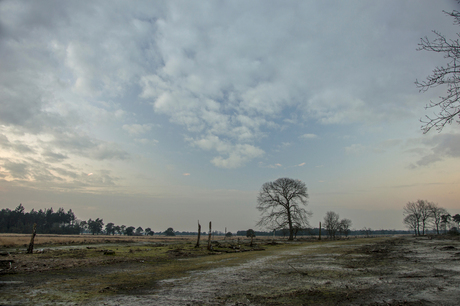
133,91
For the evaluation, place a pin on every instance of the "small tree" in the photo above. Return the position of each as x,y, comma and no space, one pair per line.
83,226
456,218
170,232
139,231
297,228
445,220
95,226
366,231
344,227
250,233
228,235
110,229
130,230
117,229
331,223
149,232
436,215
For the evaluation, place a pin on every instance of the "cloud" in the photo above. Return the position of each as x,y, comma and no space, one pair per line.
274,166
186,174
309,136
231,70
146,141
440,146
54,157
137,129
387,144
17,170
232,80
16,146
301,165
355,148
86,146
231,155
237,156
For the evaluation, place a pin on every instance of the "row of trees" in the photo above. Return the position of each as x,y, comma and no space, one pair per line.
48,221
96,227
60,222
334,226
422,215
281,204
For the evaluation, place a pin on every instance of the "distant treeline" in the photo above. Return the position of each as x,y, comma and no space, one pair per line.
48,221
61,222
315,232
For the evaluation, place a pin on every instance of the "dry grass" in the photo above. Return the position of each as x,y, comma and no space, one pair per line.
21,240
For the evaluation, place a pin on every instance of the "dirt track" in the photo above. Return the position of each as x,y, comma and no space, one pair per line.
380,271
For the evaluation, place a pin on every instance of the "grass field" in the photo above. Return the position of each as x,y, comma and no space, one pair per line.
21,240
102,270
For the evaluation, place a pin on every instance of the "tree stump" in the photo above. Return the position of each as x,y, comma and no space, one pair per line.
30,249
199,234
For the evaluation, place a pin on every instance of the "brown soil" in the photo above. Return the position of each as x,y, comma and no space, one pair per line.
377,271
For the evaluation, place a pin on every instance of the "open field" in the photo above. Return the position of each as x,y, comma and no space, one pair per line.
22,240
372,271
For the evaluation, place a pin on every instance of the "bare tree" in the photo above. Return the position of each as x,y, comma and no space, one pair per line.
421,212
366,231
411,222
411,209
344,227
280,204
445,220
436,215
425,213
331,223
448,75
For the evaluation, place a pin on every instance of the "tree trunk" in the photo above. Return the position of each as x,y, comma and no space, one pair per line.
199,234
291,230
209,237
319,238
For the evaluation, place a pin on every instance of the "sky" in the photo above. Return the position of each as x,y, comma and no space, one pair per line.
162,113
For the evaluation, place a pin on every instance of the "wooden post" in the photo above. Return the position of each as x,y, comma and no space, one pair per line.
30,249
199,234
209,237
319,231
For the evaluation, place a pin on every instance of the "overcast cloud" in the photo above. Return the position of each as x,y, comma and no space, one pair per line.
167,99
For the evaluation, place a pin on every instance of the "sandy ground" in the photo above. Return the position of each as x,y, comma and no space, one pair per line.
399,271
380,271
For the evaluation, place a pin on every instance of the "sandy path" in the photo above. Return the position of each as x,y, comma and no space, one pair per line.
208,287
